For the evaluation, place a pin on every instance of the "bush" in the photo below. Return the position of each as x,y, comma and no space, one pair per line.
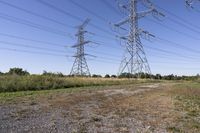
17,71
96,76
58,74
107,76
113,76
12,83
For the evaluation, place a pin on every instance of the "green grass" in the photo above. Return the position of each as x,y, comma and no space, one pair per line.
25,83
187,100
12,96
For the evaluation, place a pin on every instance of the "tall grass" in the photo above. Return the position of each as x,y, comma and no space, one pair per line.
38,82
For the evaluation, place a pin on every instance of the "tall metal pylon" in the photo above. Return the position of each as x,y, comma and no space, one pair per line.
189,3
134,61
80,67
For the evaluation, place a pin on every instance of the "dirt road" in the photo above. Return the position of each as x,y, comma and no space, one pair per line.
112,109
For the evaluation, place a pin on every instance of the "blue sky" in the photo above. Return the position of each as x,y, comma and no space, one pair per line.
55,56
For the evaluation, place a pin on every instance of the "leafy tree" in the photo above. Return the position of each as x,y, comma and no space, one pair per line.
107,76
158,76
96,76
58,74
18,71
1,73
113,76
127,75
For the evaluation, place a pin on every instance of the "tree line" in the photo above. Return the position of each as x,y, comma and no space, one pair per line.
21,72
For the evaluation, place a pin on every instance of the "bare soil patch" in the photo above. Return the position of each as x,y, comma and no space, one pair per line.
112,109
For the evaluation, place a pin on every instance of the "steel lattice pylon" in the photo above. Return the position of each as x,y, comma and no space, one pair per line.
189,3
134,61
80,67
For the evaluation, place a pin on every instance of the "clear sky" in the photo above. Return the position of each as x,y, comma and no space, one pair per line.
48,32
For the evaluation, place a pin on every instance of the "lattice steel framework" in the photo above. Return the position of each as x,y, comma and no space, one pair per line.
190,2
134,61
80,67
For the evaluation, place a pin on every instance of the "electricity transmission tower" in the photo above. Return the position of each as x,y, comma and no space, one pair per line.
134,61
189,3
80,67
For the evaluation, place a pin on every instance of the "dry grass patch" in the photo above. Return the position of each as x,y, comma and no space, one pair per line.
187,102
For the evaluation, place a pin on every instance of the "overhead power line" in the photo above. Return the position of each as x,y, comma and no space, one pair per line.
60,55
31,52
72,16
29,46
178,45
183,22
35,14
87,10
106,3
33,25
173,29
32,40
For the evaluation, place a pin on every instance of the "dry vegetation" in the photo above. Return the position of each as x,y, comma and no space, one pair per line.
13,83
145,107
187,101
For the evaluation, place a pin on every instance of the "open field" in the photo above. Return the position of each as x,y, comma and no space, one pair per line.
143,107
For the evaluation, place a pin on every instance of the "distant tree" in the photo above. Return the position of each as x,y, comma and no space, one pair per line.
158,76
142,75
1,73
127,75
58,74
113,76
18,71
96,76
107,76
169,77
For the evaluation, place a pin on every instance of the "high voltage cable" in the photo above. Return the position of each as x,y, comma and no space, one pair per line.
186,34
44,42
166,51
105,2
29,46
60,51
186,48
72,16
30,24
60,55
32,40
91,13
178,17
42,48
87,10
35,14
172,29
32,52
183,22
179,45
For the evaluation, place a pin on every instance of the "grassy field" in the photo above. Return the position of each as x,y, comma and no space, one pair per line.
24,83
120,105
